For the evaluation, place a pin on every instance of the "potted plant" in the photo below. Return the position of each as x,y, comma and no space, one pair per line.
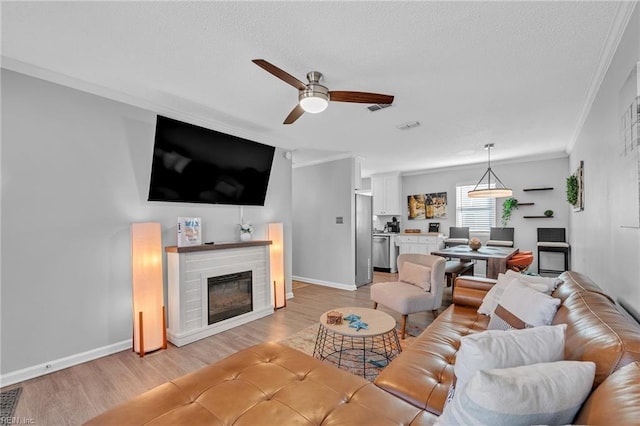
572,190
548,213
508,206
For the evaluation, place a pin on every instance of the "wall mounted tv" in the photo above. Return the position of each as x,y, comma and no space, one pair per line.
192,164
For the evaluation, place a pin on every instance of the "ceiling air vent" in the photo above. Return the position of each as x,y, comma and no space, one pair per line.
378,107
407,126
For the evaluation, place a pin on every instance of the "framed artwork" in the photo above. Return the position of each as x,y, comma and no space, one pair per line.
416,206
627,169
427,206
579,174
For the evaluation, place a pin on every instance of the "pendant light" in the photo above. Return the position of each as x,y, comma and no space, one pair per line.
488,192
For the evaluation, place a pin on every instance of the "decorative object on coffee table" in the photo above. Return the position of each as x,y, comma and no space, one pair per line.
334,317
475,243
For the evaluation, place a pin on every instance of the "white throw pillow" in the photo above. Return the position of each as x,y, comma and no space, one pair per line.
418,275
551,283
522,307
503,349
493,296
545,393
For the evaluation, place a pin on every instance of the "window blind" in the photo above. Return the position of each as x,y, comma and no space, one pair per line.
479,214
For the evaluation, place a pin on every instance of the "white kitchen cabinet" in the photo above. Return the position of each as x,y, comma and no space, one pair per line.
386,190
424,244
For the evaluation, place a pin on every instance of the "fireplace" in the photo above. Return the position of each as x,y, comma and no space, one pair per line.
230,295
190,298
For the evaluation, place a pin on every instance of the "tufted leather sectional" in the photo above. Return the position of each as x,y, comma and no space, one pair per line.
271,384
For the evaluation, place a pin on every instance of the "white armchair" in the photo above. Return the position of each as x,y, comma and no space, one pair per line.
419,287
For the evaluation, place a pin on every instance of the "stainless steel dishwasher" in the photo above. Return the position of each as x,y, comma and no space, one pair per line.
381,257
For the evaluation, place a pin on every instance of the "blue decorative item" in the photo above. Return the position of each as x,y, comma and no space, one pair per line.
352,317
357,324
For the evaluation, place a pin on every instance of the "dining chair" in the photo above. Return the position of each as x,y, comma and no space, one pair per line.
501,237
553,240
458,235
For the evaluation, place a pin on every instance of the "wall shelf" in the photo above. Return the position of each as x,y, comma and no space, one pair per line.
538,217
538,189
525,204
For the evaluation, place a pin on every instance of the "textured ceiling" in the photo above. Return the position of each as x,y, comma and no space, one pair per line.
516,74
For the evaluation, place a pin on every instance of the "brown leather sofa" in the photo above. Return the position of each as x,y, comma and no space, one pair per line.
272,384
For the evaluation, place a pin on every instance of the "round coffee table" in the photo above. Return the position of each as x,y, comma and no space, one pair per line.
363,352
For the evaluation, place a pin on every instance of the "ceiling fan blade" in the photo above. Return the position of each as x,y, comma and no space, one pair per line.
294,115
282,75
360,97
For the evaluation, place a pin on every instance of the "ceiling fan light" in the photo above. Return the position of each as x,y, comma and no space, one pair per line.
313,102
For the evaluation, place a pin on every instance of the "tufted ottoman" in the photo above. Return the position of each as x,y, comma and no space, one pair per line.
267,384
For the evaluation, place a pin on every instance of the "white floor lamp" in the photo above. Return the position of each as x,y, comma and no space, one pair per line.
276,258
149,322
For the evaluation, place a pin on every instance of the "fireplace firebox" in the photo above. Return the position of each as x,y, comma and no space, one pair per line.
229,296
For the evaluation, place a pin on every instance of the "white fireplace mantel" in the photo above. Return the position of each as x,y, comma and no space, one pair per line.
188,269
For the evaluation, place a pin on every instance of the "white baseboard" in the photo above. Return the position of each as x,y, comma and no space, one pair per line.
62,363
340,286
66,362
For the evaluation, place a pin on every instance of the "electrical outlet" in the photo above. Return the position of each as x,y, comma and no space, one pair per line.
339,219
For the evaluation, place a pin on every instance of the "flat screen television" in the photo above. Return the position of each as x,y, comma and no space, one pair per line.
192,164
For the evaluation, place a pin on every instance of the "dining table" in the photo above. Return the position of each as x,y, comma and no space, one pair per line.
496,257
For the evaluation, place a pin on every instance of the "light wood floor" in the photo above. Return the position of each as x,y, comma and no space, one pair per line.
76,394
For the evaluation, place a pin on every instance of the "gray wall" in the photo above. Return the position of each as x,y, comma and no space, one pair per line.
324,251
75,175
517,176
605,237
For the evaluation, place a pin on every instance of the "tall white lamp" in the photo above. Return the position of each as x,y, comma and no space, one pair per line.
276,258
149,329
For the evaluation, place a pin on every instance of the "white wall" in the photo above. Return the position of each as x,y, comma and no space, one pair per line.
323,250
75,175
517,176
605,237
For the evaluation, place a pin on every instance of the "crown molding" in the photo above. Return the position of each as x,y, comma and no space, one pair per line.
204,117
527,159
618,27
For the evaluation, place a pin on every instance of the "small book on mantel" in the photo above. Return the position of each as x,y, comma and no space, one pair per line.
189,231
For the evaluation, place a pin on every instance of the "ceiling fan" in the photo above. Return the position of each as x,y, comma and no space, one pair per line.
313,97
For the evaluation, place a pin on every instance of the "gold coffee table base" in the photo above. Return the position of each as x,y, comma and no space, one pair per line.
363,352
